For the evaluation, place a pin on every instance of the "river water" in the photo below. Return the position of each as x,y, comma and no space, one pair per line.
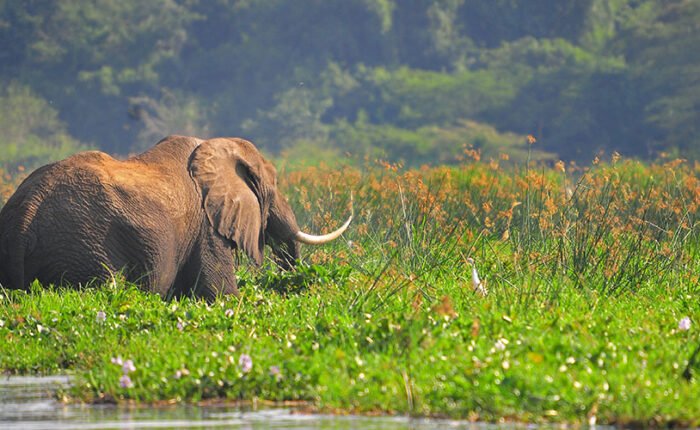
29,403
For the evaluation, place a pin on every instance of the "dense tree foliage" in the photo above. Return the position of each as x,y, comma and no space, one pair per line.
417,80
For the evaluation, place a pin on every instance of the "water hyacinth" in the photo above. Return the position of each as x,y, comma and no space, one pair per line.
684,324
125,382
245,362
275,372
128,366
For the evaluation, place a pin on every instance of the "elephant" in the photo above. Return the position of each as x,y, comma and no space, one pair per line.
169,219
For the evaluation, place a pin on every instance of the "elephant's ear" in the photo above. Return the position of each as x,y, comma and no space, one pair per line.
231,175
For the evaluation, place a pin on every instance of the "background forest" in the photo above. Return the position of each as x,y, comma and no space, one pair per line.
411,80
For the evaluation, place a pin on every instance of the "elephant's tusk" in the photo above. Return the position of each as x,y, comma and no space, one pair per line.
311,239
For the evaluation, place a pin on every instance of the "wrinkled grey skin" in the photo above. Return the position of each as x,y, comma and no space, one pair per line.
168,218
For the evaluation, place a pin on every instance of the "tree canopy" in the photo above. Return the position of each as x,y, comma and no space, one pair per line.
411,80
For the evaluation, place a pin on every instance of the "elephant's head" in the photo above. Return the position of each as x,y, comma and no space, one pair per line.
243,204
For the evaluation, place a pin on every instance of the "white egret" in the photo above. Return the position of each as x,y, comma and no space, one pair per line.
477,285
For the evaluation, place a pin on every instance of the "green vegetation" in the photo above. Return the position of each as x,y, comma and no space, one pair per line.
591,312
366,77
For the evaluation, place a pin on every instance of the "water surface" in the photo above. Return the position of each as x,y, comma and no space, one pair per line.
29,403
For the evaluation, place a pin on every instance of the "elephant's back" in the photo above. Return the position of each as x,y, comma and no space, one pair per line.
91,187
74,175
71,170
55,192
41,184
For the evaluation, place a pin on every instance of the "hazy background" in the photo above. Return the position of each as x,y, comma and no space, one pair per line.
411,80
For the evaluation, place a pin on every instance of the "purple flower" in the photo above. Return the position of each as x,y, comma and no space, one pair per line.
101,317
684,324
125,382
117,360
128,366
275,372
180,325
245,363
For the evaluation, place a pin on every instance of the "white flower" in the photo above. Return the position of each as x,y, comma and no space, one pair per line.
229,313
101,316
684,324
182,372
500,344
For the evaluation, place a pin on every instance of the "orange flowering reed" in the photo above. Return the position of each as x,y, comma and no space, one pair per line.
572,221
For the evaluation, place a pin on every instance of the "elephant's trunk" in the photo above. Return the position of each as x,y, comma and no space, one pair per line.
311,239
286,254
